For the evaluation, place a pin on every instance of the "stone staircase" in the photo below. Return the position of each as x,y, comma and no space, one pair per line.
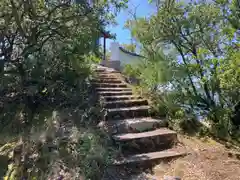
139,137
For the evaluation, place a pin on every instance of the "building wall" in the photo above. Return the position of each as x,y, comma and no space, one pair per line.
128,59
117,54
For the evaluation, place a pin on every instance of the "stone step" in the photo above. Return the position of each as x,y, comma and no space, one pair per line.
102,67
98,70
110,85
107,75
148,141
132,125
152,156
129,112
114,89
119,98
134,136
139,124
114,93
108,81
125,103
105,71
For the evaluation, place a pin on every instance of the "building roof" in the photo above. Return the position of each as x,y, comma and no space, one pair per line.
130,53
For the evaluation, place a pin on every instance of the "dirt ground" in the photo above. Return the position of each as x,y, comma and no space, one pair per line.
208,160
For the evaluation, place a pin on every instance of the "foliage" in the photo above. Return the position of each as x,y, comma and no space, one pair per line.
47,49
192,52
130,47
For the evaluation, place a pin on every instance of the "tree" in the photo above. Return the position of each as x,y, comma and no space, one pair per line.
46,52
200,38
130,47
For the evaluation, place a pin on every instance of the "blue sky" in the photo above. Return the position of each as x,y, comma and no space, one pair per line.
123,35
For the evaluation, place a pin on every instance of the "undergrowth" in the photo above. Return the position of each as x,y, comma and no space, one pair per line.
62,143
185,122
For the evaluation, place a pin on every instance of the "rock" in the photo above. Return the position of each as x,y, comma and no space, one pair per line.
142,176
171,178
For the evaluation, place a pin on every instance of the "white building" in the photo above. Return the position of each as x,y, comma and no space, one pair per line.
120,57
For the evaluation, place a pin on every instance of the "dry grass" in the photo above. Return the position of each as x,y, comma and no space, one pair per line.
208,160
64,148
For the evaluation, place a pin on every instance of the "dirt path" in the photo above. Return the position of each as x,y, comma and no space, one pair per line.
208,160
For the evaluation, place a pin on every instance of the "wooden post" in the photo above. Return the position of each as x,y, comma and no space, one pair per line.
105,36
104,48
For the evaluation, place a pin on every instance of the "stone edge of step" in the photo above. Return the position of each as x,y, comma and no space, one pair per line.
126,101
152,133
169,153
129,108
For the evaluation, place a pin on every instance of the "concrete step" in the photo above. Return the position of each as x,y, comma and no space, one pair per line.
132,125
120,98
148,141
153,156
125,103
129,112
114,89
114,93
